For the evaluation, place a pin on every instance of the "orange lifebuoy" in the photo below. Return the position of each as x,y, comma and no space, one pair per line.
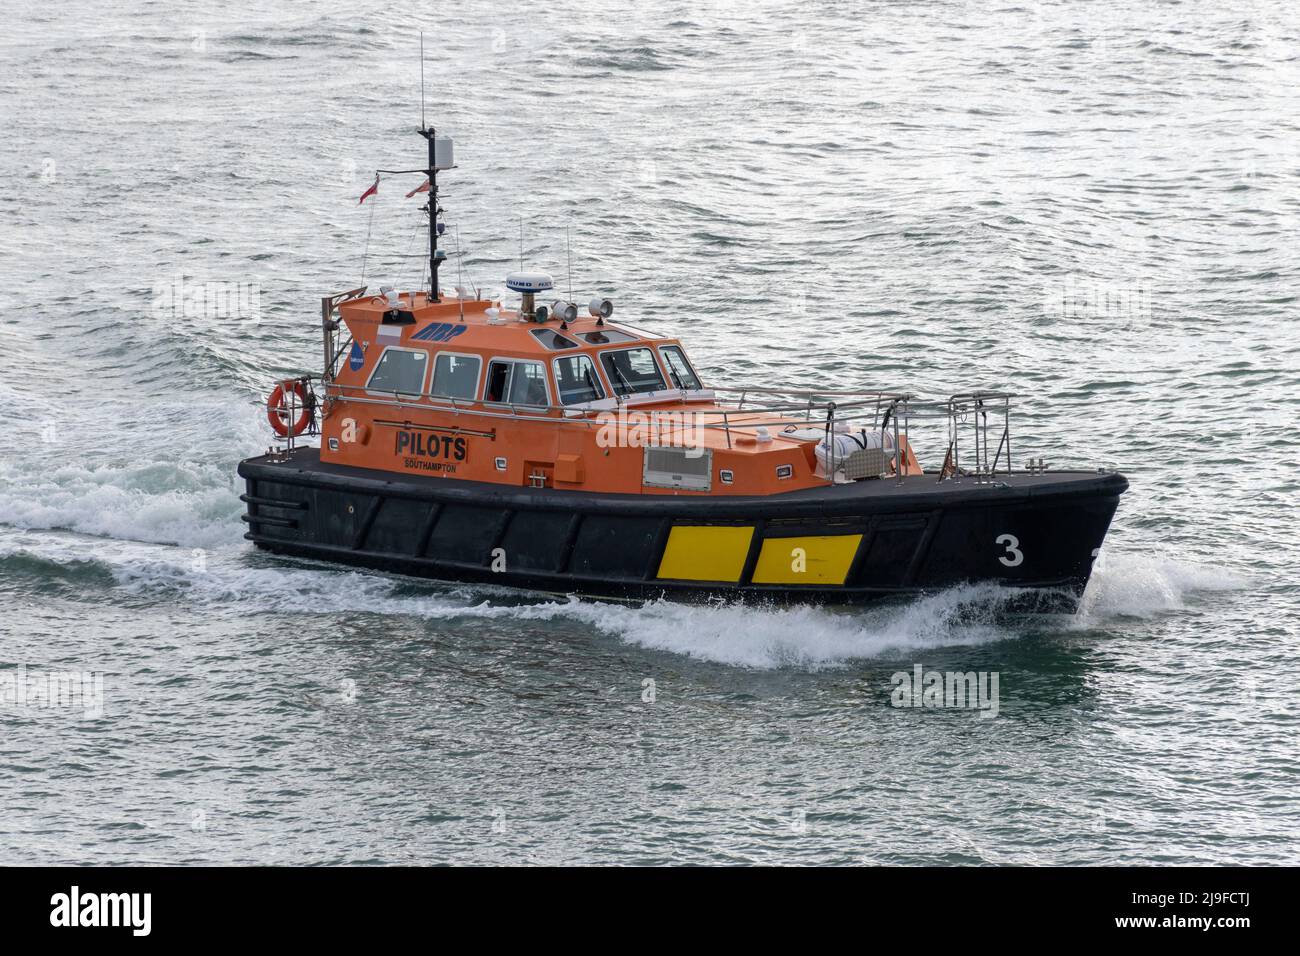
278,410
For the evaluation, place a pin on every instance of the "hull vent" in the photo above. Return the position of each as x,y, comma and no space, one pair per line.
690,469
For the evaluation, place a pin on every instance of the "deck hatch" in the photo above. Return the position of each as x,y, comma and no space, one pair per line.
690,469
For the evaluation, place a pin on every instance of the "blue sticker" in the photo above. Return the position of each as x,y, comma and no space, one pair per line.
356,358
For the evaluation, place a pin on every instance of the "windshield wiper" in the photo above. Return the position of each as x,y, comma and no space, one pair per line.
623,378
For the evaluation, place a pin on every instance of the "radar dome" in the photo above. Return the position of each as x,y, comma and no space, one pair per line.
529,282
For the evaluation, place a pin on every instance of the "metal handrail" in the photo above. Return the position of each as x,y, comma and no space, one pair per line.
976,406
893,410
570,414
901,401
803,390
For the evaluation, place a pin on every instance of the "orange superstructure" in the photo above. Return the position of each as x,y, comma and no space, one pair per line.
470,390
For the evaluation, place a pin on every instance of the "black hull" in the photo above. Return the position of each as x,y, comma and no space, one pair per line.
884,538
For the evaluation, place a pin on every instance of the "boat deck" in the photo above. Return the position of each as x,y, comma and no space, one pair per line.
873,495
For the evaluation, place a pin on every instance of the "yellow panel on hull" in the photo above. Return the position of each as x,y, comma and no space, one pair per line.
710,553
825,559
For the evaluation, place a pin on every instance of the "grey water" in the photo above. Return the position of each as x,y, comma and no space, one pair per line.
1092,205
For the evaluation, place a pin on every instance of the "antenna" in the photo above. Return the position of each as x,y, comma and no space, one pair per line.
460,285
521,243
568,248
432,172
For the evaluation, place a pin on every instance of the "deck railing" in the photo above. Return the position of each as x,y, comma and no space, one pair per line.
969,413
977,424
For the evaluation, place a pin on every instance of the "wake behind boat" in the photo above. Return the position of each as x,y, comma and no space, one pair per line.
555,448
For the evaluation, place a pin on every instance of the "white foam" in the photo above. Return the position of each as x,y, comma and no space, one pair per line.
802,637
112,503
186,496
1143,585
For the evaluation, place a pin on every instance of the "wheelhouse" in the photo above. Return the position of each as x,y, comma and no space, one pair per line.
559,370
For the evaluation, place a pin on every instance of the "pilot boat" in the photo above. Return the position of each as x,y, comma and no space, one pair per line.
541,445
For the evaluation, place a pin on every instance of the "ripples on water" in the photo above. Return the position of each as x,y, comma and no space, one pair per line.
1093,207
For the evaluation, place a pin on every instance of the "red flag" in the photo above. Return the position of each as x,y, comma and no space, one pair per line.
369,192
419,189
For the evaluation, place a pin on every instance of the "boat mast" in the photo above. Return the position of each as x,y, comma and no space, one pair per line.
428,134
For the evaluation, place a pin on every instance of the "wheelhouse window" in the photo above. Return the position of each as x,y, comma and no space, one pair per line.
400,371
680,372
514,382
456,376
607,336
576,378
554,340
631,371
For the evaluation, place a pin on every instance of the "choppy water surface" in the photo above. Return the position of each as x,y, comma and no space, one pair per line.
1093,206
